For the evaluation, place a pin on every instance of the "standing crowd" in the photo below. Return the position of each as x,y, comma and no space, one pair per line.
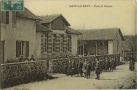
84,68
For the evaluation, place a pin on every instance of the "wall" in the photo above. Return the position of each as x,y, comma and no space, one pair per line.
2,43
38,44
24,30
58,24
8,38
74,44
23,72
117,44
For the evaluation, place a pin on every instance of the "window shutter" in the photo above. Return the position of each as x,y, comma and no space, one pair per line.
18,48
14,19
27,48
7,17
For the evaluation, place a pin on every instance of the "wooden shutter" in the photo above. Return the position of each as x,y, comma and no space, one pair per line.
1,52
27,48
18,48
14,19
7,17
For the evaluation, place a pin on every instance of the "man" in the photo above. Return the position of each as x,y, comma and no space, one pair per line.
115,64
88,69
69,68
98,70
84,68
111,64
72,68
80,65
106,64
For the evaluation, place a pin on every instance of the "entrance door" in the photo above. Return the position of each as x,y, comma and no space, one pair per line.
1,52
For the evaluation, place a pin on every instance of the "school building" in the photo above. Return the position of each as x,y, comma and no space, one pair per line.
61,41
23,33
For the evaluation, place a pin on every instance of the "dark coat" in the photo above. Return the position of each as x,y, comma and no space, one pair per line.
88,67
98,69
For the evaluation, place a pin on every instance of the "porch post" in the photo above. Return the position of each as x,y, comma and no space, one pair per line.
79,52
96,47
83,48
103,46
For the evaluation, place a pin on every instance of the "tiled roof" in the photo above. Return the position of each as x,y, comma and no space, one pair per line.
50,18
100,34
26,14
72,31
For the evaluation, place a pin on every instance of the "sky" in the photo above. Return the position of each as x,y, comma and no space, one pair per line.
93,14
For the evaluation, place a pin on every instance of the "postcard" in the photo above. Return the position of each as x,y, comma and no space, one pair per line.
68,44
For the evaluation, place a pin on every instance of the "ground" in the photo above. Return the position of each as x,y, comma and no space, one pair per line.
120,78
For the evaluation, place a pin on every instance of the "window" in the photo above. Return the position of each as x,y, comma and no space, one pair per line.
22,48
69,43
62,43
7,17
44,42
54,42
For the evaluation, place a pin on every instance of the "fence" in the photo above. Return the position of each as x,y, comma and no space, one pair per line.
22,72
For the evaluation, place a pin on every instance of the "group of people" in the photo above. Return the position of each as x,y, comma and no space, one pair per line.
24,59
84,68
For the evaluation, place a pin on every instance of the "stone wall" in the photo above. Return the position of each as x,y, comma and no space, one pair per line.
22,72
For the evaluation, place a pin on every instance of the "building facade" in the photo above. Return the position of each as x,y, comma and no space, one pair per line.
24,34
100,41
62,40
18,31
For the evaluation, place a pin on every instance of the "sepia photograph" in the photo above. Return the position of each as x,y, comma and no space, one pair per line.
68,44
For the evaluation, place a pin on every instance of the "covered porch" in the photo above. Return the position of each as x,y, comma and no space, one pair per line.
95,47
